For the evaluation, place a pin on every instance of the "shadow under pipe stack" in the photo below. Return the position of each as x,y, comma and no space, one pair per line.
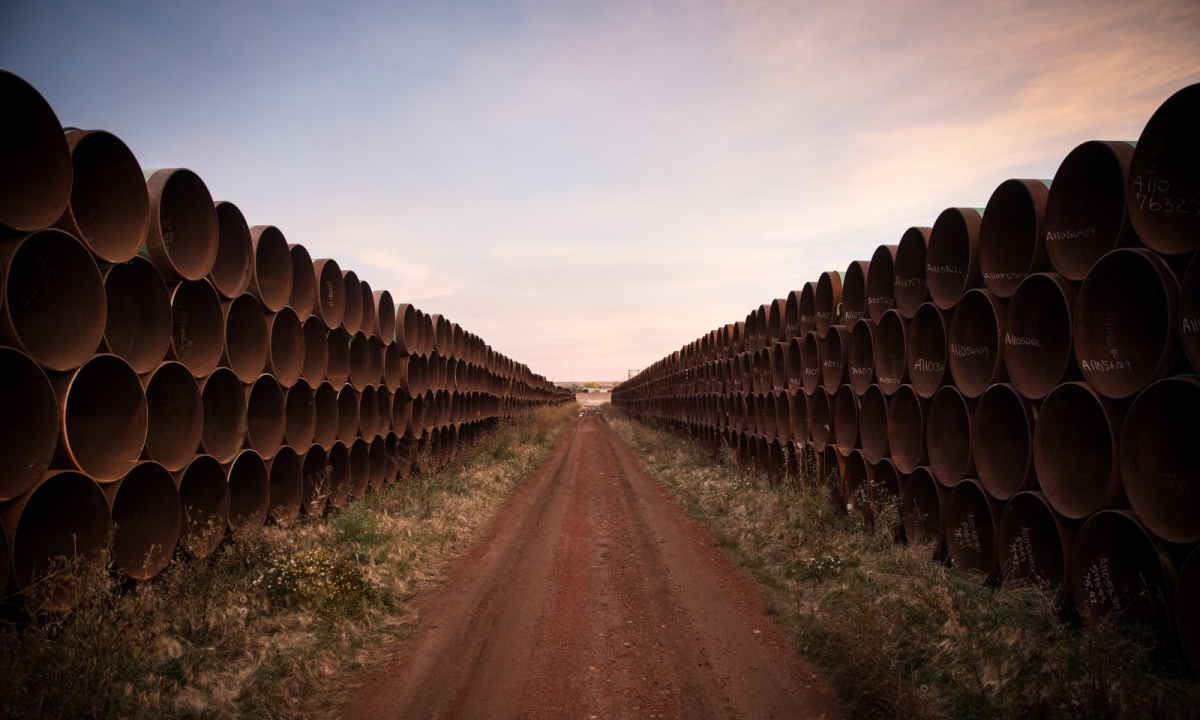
1020,379
170,374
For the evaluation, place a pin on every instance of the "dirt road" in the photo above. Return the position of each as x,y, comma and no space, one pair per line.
593,596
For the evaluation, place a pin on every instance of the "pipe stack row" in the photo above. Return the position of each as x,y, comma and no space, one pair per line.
170,374
1019,378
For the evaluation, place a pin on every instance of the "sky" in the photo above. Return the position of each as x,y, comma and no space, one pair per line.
589,186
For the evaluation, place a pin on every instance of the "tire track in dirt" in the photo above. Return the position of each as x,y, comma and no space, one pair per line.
593,596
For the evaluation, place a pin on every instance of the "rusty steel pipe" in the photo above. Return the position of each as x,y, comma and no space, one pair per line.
360,362
952,256
1038,353
385,317
330,305
778,366
145,514
776,321
184,230
36,181
880,285
1086,215
948,434
1163,194
795,365
1002,442
833,469
926,350
971,518
340,478
102,418
1187,617
109,207
888,485
846,419
976,342
393,367
232,266
820,418
891,352
798,404
29,423
854,292
64,517
1189,314
304,282
197,327
224,415
353,316
317,476
1012,241
907,412
285,475
266,419
378,464
348,404
783,416
873,424
921,506
861,359
316,352
806,308
835,361
360,468
175,416
1033,545
325,404
1159,460
827,302
385,410
1075,451
247,340
368,412
909,282
300,415
204,505
271,271
1125,326
408,329
337,368
1120,572
369,325
858,477
249,493
53,299
285,356
138,319
812,359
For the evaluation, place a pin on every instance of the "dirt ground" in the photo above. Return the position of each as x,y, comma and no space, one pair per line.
593,596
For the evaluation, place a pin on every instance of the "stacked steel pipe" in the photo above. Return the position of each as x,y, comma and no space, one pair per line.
170,374
1020,379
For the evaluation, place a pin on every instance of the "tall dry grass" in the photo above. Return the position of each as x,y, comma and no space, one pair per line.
898,635
270,625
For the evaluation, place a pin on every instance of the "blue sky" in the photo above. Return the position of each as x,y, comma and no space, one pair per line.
589,186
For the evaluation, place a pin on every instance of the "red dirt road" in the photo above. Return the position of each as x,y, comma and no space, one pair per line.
594,596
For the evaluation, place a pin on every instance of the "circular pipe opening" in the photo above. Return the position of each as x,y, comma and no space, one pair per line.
265,416
393,367
360,361
352,317
317,476
300,415
247,342
271,273
1160,462
360,468
368,412
820,420
184,231
325,404
1002,442
976,350
230,274
807,309
835,365
348,404
224,415
316,351
1075,451
408,330
385,317
1124,325
35,184
175,416
337,368
249,493
881,292
854,292
285,359
859,476
1119,573
908,272
846,419
339,474
369,324
145,516
873,424
1038,353
828,301
906,428
379,463
384,401
971,519
948,434
54,305
926,349
1032,546
197,327
890,352
1164,175
104,418
62,523
109,208
138,320
204,503
952,258
861,359
1011,240
921,508
304,282
28,423
811,358
1085,210
330,305
286,476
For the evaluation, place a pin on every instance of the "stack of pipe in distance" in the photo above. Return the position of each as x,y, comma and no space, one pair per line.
1018,379
171,375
